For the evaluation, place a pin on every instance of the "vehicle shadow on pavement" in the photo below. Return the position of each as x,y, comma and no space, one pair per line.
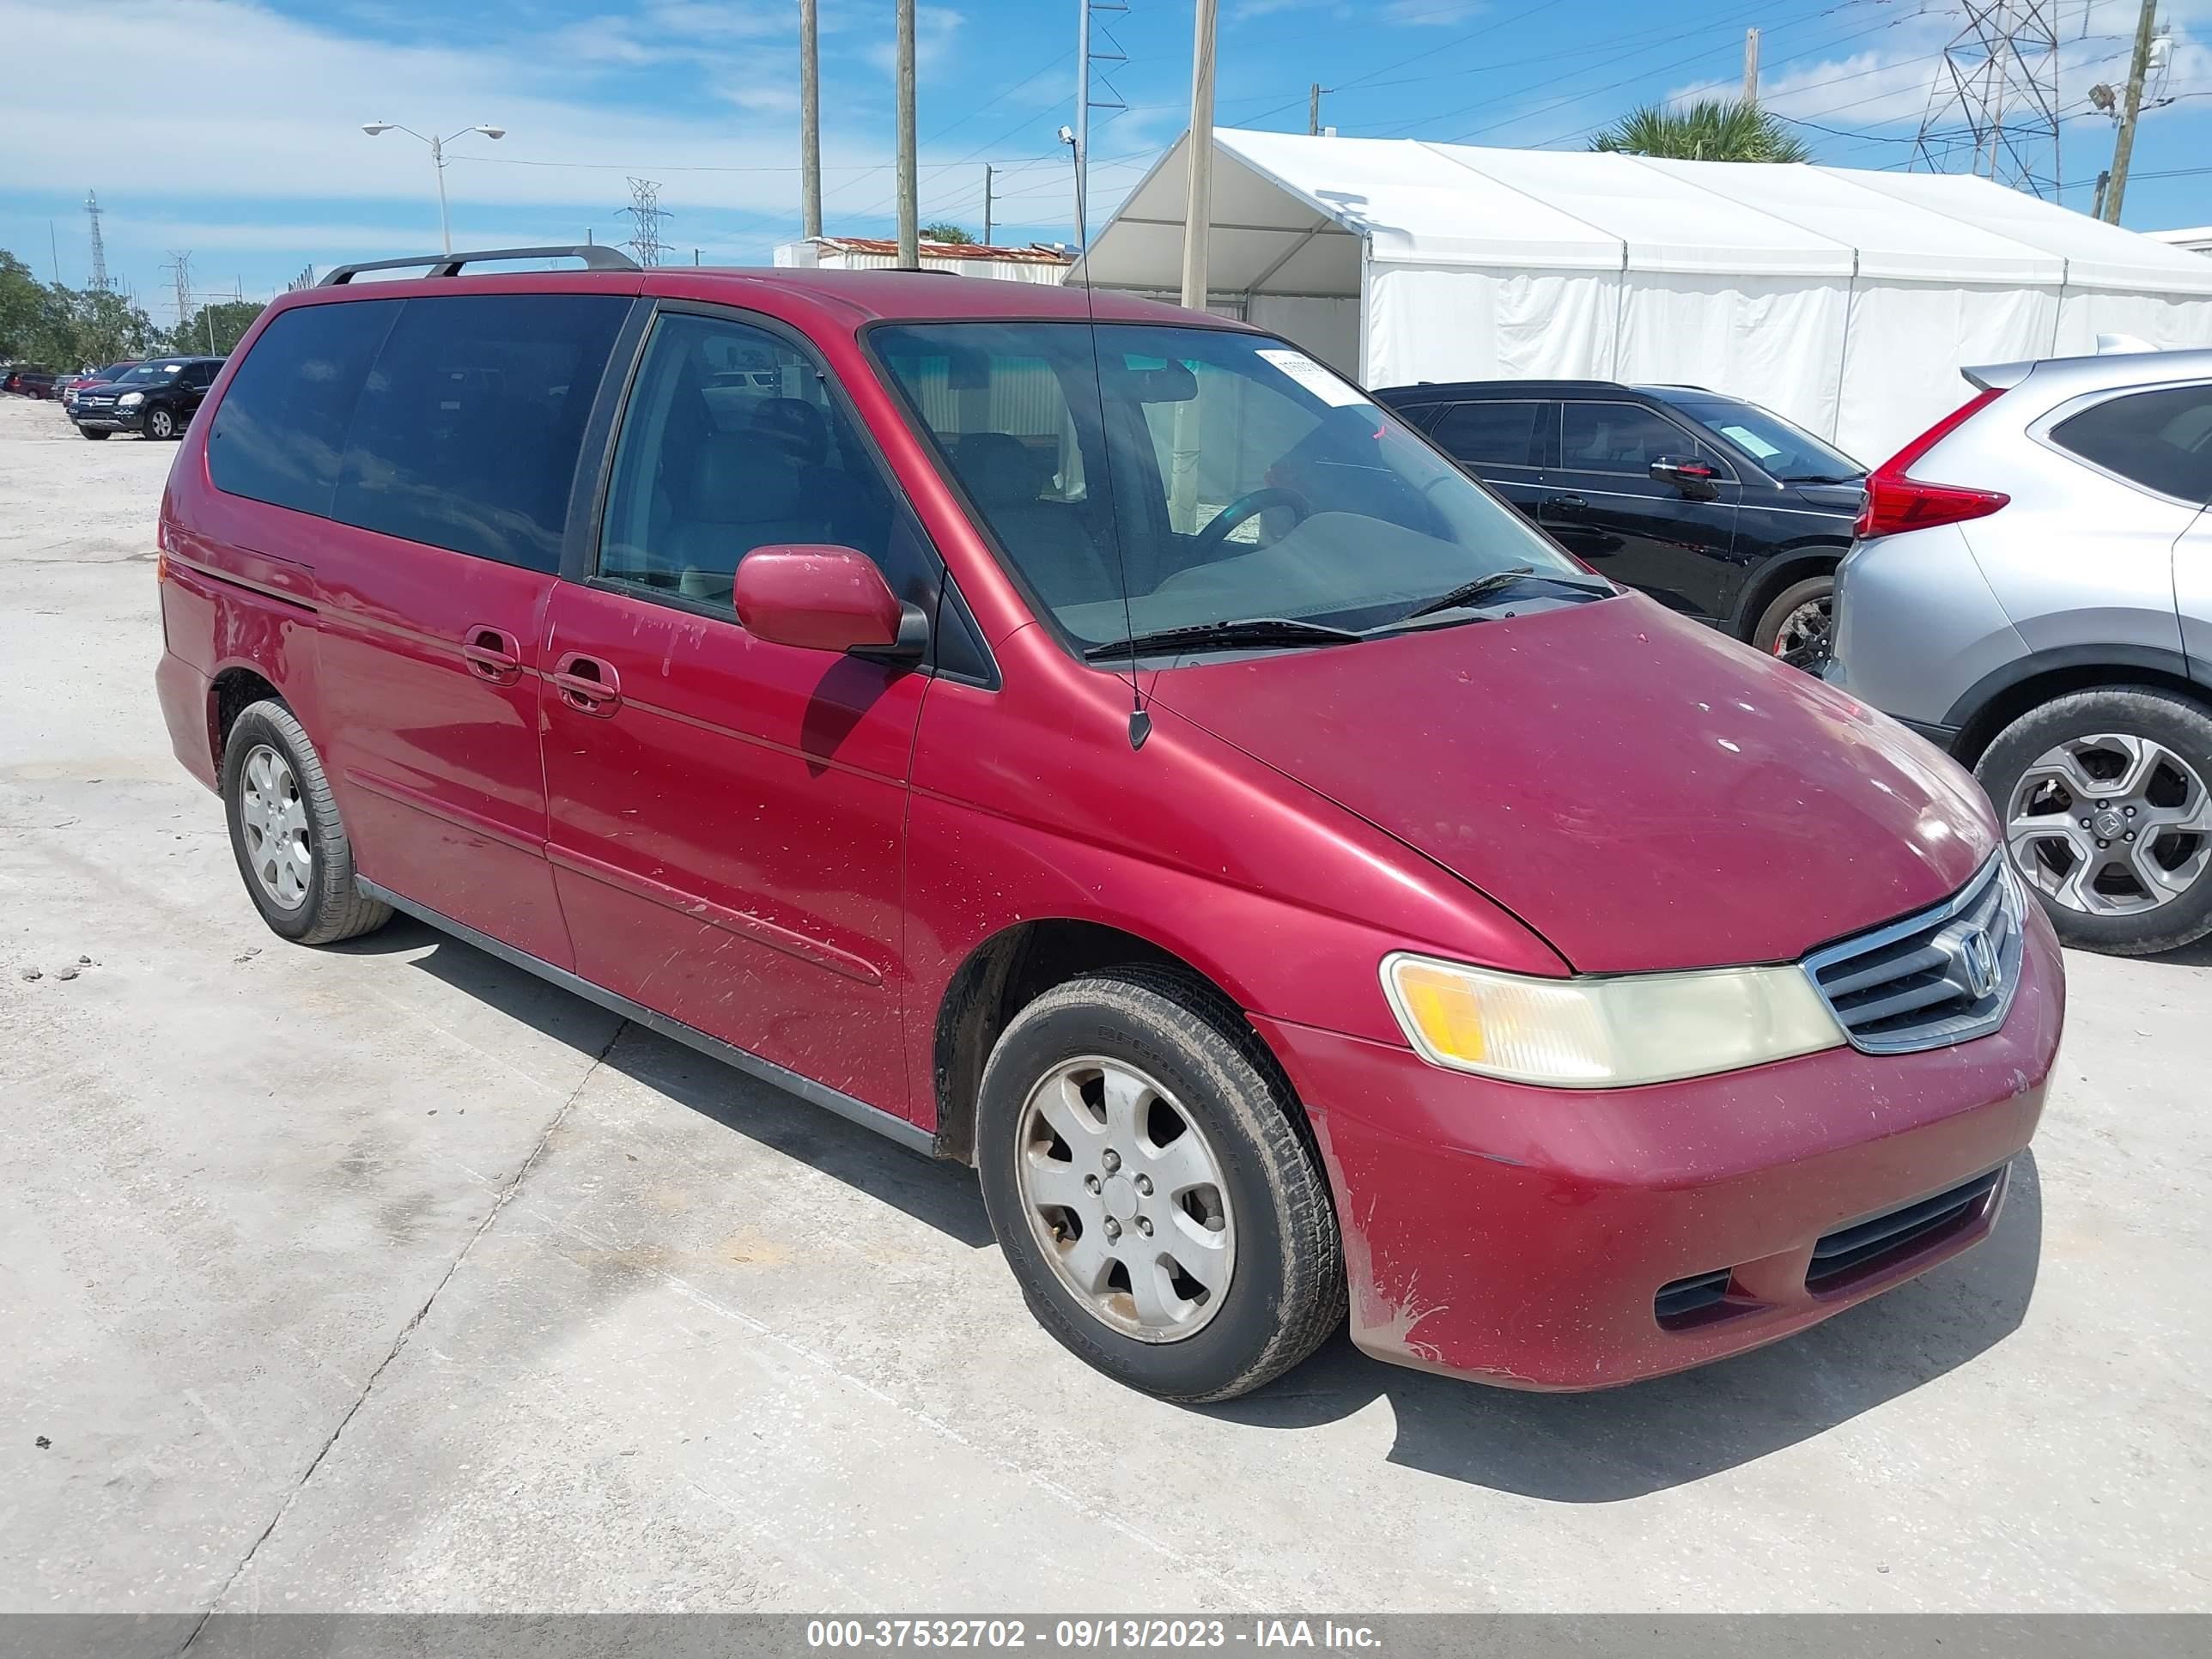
1629,1442
941,1196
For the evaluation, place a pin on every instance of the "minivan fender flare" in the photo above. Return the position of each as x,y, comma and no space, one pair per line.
2076,667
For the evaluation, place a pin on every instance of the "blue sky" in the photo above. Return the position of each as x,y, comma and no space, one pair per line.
231,128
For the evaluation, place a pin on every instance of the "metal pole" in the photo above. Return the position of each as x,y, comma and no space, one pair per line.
438,167
54,246
809,124
1198,204
1751,68
2123,146
987,205
910,246
1082,102
2104,183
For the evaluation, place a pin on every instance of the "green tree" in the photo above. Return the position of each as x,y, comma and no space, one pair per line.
65,328
215,329
945,231
1708,130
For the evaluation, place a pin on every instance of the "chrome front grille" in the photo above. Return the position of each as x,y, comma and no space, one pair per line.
1943,975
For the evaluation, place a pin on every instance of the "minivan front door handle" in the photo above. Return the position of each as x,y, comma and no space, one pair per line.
587,684
492,654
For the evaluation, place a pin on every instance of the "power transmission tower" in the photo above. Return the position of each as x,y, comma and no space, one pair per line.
1995,101
646,214
180,267
99,248
1089,55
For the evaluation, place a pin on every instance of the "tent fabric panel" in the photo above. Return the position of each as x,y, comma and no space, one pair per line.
2166,322
1446,322
1774,340
1667,222
1908,342
1893,238
1325,329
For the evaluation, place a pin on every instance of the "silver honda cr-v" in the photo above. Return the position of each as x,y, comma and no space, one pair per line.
2032,589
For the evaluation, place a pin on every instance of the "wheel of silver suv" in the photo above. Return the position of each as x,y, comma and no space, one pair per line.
2108,816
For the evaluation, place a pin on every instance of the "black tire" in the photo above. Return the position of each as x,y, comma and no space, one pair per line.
2185,727
94,433
1286,1290
1766,632
162,424
331,907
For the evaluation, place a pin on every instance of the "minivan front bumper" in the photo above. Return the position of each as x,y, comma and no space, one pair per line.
1524,1237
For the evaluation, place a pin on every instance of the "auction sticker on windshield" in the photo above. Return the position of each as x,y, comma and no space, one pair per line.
1314,378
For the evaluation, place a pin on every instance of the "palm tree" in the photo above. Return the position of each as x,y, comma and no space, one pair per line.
1708,130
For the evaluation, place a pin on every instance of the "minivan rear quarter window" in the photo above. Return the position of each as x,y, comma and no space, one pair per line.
281,429
2160,440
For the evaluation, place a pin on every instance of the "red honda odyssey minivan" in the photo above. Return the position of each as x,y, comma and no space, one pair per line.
1110,750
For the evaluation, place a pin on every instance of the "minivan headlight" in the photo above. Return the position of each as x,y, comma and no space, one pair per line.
130,397
1604,1033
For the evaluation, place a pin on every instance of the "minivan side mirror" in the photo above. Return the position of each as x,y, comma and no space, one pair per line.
821,598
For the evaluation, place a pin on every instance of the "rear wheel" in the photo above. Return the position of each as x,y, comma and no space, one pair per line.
1164,1219
1795,625
291,848
2108,816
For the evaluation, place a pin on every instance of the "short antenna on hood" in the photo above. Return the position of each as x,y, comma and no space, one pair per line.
1140,723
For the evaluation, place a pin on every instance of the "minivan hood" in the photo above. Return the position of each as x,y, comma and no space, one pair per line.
1640,791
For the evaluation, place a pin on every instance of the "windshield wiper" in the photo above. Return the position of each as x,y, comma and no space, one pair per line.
1252,633
1497,582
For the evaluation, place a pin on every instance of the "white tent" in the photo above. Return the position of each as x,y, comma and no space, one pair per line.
1845,299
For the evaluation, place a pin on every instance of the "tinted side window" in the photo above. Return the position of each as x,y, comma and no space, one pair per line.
280,429
1623,438
2159,440
1494,434
1419,416
732,441
201,375
467,431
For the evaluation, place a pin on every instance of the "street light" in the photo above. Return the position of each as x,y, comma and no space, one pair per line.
437,161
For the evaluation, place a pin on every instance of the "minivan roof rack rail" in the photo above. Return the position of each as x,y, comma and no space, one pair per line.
596,256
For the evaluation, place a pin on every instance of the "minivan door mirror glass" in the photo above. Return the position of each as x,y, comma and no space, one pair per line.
825,598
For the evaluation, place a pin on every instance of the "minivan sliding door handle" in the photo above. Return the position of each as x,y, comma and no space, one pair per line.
587,684
492,654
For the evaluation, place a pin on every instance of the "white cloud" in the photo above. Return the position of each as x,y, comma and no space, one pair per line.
934,28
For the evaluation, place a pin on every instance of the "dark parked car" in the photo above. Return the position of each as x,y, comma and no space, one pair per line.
29,382
156,400
1318,898
1716,508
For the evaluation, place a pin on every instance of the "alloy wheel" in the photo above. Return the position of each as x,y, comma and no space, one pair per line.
1804,632
1126,1199
275,822
2112,824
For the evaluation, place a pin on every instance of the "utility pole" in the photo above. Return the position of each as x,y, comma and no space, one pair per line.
1313,112
910,244
1751,68
1198,203
809,124
987,205
2123,145
54,247
2104,183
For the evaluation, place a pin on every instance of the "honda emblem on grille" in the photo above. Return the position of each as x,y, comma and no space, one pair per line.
1977,961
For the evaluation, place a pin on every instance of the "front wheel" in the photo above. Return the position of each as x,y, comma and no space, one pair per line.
1165,1217
291,848
94,433
1794,626
2107,815
160,423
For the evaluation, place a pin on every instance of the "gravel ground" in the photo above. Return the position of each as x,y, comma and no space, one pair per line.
387,1278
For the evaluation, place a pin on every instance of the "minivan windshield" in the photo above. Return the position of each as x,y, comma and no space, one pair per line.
1787,454
1228,478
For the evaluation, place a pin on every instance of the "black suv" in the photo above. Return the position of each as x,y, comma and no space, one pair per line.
156,398
1714,506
